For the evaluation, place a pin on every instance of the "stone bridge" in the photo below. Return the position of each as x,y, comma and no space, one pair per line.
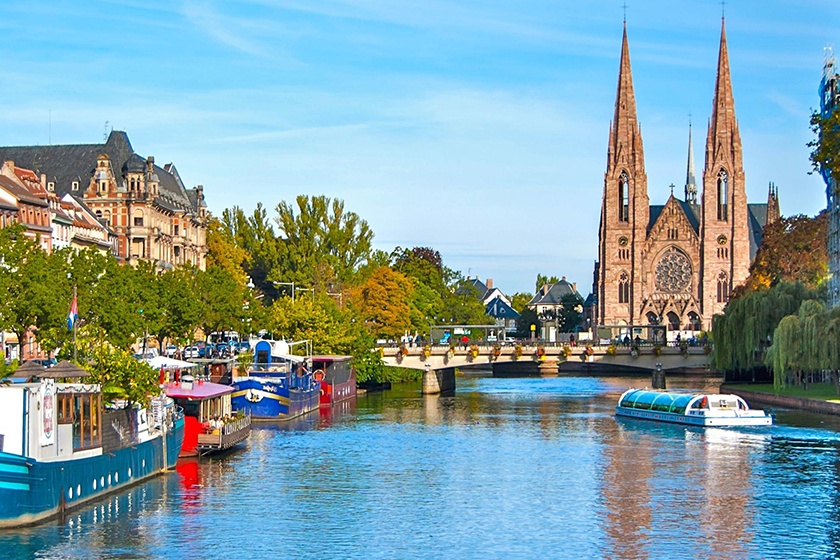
438,363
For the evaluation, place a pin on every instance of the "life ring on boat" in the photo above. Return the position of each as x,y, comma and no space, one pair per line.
319,375
704,402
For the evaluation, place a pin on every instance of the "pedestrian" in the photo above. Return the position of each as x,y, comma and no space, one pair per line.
572,339
465,340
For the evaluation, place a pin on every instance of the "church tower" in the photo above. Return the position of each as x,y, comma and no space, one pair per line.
725,238
625,207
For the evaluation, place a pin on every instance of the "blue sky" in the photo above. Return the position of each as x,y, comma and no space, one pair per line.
478,128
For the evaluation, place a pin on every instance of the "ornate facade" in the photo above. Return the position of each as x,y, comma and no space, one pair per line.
151,214
829,102
675,264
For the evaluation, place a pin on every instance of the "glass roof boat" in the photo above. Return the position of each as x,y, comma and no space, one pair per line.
691,409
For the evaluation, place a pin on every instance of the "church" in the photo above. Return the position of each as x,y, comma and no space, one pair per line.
675,264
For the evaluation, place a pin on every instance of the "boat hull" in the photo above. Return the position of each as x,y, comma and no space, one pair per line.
273,399
705,421
32,491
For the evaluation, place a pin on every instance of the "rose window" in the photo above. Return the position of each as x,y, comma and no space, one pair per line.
673,272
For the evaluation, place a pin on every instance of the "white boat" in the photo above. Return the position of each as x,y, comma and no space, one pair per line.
691,409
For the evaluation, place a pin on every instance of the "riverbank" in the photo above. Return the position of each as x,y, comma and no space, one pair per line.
824,399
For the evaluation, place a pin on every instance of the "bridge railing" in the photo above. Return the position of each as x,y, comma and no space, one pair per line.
533,343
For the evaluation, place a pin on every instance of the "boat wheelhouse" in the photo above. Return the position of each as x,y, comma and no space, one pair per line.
60,448
337,377
691,409
210,426
278,385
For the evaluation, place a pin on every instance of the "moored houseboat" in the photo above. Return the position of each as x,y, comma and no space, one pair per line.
278,385
337,377
60,448
210,425
691,409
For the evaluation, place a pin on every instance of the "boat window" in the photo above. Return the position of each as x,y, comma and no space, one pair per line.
644,400
84,409
679,403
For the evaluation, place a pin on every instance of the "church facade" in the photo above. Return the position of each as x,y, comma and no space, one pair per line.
675,264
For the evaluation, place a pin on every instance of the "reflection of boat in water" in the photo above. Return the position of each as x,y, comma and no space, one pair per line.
278,385
337,377
60,449
694,410
209,425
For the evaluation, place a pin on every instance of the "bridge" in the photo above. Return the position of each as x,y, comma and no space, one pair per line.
438,363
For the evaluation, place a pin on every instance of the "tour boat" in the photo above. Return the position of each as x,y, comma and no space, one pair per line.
60,448
337,377
278,385
695,410
210,426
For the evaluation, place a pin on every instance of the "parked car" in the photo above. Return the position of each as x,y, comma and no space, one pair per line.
191,352
171,351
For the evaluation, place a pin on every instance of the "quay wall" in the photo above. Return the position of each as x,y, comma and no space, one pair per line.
784,401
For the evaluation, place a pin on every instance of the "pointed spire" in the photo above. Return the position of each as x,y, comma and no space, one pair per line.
723,126
773,210
690,180
625,134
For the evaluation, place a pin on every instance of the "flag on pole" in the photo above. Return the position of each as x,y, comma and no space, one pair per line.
73,315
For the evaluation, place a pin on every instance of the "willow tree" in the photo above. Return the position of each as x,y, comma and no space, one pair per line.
747,326
798,344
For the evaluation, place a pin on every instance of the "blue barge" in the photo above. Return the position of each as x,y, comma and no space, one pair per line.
278,384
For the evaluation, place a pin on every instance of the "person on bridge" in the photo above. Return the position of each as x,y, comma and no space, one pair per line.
572,339
465,340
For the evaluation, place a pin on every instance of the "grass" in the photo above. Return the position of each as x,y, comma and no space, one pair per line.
818,391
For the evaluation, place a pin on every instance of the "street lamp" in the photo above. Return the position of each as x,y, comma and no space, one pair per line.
292,284
306,290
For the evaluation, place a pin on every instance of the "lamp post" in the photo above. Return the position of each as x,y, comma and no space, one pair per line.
292,284
306,290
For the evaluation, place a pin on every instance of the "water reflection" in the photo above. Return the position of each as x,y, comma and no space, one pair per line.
515,468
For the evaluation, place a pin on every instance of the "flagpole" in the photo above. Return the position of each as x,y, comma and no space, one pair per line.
75,360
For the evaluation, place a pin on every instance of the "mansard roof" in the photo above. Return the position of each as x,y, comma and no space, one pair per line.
64,164
552,294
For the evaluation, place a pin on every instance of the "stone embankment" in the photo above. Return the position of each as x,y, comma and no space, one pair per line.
784,401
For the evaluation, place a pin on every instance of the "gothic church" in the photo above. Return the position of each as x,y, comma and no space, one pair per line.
675,264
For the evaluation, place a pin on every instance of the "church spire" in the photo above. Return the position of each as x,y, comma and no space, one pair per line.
690,180
724,140
625,147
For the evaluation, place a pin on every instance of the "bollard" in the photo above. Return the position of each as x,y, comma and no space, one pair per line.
658,377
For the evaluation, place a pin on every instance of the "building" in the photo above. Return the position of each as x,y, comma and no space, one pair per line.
152,215
675,264
549,304
829,102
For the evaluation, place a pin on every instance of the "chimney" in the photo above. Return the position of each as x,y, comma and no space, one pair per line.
489,283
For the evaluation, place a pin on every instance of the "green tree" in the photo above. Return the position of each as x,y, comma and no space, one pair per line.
542,280
825,155
571,312
382,303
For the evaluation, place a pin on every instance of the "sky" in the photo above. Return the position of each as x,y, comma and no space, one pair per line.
477,128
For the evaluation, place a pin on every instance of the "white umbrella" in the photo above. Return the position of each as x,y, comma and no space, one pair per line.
163,362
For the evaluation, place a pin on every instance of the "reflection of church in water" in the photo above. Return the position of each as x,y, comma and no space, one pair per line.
676,263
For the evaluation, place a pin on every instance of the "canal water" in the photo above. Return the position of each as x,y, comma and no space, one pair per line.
505,468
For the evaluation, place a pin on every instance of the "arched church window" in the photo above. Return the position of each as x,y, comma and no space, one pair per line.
673,321
624,288
624,197
722,288
694,321
722,195
652,318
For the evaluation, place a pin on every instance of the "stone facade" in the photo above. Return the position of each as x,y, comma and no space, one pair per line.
150,213
675,264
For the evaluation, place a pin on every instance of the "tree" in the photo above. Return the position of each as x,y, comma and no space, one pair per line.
519,301
793,249
322,243
570,312
223,251
825,155
382,303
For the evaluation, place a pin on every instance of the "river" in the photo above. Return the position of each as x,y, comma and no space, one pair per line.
505,468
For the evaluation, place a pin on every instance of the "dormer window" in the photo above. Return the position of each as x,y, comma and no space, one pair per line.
75,185
51,186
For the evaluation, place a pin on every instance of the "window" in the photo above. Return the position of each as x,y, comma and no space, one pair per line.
75,185
722,288
51,186
176,230
722,195
624,288
694,321
82,411
673,321
138,220
623,197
